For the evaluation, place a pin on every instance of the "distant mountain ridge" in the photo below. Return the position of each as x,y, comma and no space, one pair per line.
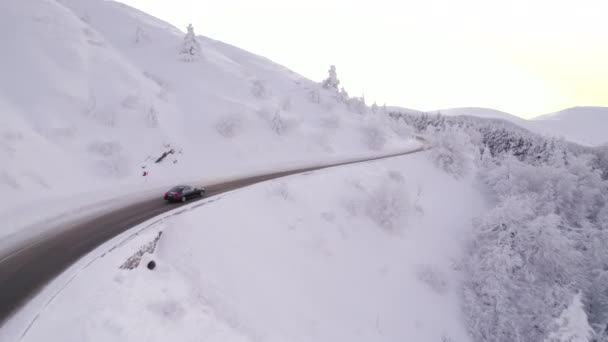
583,125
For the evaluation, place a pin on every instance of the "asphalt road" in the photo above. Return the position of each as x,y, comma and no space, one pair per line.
28,268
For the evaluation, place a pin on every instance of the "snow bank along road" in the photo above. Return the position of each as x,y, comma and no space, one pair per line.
27,268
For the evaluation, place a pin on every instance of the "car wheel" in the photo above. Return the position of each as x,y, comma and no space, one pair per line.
184,199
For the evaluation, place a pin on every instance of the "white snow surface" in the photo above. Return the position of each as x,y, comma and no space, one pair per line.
365,252
92,91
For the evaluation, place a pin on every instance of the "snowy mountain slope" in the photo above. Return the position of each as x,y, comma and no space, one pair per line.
99,90
482,113
584,125
63,95
367,252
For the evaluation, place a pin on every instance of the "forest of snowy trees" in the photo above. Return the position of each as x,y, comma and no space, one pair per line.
537,268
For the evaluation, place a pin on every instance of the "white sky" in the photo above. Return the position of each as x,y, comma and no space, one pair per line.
526,57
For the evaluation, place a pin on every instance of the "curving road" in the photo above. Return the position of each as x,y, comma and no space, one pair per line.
28,268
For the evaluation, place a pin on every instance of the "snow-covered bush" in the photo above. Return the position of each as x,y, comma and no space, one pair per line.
451,150
286,104
140,35
152,117
191,48
258,89
105,148
314,96
279,189
229,126
433,278
374,137
277,124
388,206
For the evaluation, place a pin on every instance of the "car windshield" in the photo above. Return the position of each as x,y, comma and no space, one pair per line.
177,189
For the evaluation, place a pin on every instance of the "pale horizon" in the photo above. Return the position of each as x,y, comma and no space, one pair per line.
524,58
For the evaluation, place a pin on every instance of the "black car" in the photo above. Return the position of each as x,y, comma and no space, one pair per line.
182,193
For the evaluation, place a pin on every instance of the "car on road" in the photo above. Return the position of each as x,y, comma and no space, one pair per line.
182,193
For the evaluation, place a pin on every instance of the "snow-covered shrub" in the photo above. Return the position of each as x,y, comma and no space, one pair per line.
191,48
388,206
286,104
277,124
140,35
279,189
374,137
433,278
396,177
451,151
229,126
105,148
152,117
314,96
258,89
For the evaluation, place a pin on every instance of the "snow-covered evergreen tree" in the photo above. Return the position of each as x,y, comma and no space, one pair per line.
572,325
374,108
332,82
191,49
357,105
343,95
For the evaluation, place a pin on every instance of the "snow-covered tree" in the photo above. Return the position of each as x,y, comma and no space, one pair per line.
191,49
343,96
332,82
357,105
572,325
374,108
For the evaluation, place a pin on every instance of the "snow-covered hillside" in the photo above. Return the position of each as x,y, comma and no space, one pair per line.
482,113
367,252
584,125
93,91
